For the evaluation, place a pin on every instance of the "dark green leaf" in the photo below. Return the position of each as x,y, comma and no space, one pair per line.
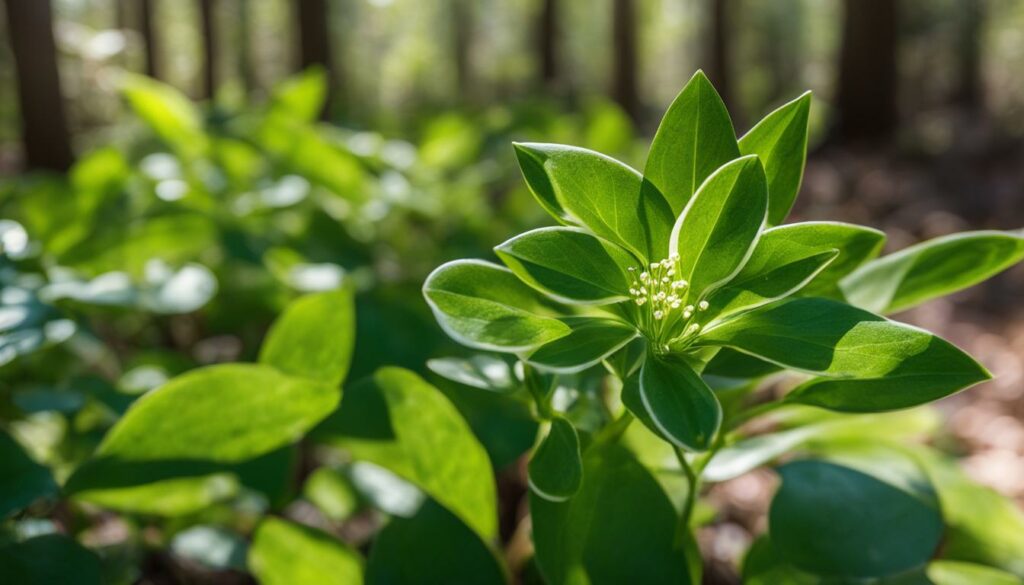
556,468
570,265
780,141
932,269
22,480
285,553
695,138
314,337
680,403
591,340
485,306
51,559
717,231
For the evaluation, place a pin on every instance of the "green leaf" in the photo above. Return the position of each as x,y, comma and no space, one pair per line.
779,266
22,480
932,269
856,245
729,363
302,96
531,163
717,231
285,553
694,139
619,528
431,548
956,573
179,496
171,115
570,265
400,422
591,340
603,195
485,306
763,565
679,403
314,337
878,364
780,141
225,413
871,514
332,493
478,371
556,468
49,559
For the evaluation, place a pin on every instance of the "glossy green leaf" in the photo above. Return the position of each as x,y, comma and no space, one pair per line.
732,364
432,547
871,514
285,553
856,244
485,306
680,403
225,413
630,541
591,340
556,468
695,138
314,337
780,141
22,480
400,422
779,266
932,269
874,364
478,371
50,559
603,195
570,265
717,231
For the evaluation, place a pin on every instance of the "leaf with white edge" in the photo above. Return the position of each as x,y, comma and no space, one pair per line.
780,141
398,421
680,403
932,269
314,337
478,371
286,553
185,419
695,138
570,265
483,305
556,468
873,364
591,340
22,480
531,163
856,244
604,195
716,233
862,514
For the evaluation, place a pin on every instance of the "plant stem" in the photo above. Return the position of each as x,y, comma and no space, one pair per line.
693,481
614,430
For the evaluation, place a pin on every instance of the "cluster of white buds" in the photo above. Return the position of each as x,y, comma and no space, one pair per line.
658,286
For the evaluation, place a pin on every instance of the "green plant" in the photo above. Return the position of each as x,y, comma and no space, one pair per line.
668,297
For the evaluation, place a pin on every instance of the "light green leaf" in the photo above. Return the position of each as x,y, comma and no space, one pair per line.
694,139
856,244
332,493
168,112
717,231
49,559
314,337
877,364
478,371
22,480
178,496
225,413
632,539
400,422
432,548
779,266
591,340
932,269
957,573
780,141
601,194
570,265
285,553
300,97
870,513
679,403
485,306
556,468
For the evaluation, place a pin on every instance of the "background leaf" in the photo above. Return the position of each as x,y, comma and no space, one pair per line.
314,337
49,559
285,553
22,480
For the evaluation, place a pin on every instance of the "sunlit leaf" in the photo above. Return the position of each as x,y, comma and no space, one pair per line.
286,553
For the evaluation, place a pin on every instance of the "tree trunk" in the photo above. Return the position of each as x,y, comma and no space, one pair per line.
969,92
313,19
149,40
866,96
718,53
547,45
207,27
624,77
245,62
44,124
462,37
